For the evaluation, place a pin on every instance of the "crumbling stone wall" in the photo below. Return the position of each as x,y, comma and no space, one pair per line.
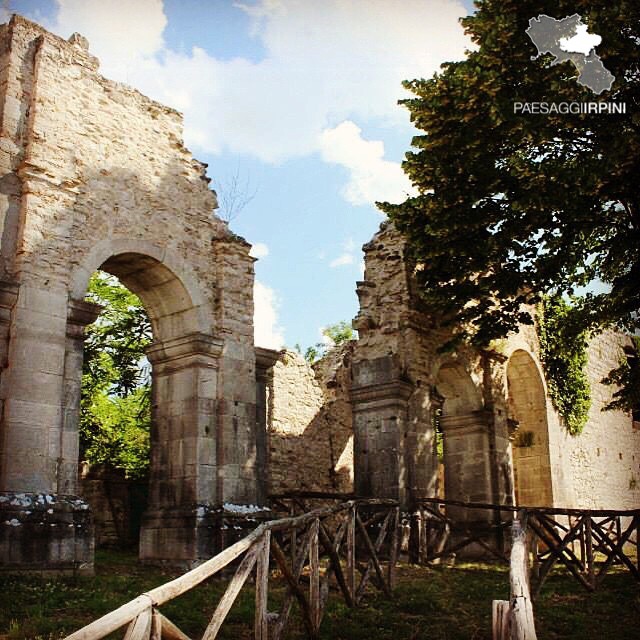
604,460
309,424
491,405
95,175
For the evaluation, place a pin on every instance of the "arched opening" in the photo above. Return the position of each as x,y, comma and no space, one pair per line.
528,416
465,447
115,413
183,358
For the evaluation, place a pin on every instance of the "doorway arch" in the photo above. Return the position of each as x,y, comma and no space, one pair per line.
184,358
528,413
467,458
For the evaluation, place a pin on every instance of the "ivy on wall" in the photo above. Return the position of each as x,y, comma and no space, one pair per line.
563,350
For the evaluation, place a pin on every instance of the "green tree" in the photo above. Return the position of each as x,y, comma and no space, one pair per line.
336,334
115,408
512,206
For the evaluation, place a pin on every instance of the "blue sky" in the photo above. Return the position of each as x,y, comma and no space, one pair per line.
295,101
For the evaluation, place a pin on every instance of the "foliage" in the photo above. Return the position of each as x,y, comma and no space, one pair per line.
511,206
115,407
335,335
627,378
563,350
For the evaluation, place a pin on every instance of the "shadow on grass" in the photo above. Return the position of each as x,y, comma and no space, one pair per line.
448,603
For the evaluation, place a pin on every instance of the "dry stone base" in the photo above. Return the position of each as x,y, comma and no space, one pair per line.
45,532
186,537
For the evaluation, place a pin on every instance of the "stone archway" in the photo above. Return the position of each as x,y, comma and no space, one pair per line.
528,413
465,431
113,187
184,357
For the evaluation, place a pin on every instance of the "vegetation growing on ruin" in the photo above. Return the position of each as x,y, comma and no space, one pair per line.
627,378
115,406
563,351
513,206
335,335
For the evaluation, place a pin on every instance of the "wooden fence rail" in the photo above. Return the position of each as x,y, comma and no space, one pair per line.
588,542
325,543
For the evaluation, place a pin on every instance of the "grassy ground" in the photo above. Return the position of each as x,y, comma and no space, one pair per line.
447,603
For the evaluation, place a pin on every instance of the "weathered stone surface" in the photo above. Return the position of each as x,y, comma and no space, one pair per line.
45,532
309,424
97,176
403,388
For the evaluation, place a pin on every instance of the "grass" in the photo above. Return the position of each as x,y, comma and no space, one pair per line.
445,603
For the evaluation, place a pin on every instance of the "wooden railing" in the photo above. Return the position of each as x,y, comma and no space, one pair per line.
332,545
588,542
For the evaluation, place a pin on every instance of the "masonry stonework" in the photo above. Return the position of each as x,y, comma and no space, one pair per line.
95,176
503,440
309,433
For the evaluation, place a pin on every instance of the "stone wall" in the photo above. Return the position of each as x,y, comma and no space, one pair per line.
117,503
503,438
309,424
96,175
604,460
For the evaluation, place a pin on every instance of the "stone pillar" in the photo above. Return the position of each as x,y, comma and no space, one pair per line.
379,405
467,463
265,359
80,315
44,525
178,526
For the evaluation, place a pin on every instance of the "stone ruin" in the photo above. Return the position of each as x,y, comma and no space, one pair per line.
96,177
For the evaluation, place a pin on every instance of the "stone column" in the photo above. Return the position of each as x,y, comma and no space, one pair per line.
265,359
379,426
177,526
467,463
45,526
80,315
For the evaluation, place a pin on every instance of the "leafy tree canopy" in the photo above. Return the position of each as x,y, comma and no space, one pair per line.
115,408
512,206
335,334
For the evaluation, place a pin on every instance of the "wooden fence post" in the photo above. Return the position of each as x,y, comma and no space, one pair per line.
351,552
521,619
261,627
314,586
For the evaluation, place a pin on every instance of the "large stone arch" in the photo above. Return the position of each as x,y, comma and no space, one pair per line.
113,187
528,414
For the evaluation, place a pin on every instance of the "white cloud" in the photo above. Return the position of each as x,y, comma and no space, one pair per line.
120,32
267,332
371,177
340,261
324,62
259,250
347,256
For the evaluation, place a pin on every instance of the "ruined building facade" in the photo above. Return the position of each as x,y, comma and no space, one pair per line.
391,396
502,438
95,176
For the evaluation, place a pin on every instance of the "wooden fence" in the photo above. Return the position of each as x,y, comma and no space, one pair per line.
513,619
332,546
588,542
